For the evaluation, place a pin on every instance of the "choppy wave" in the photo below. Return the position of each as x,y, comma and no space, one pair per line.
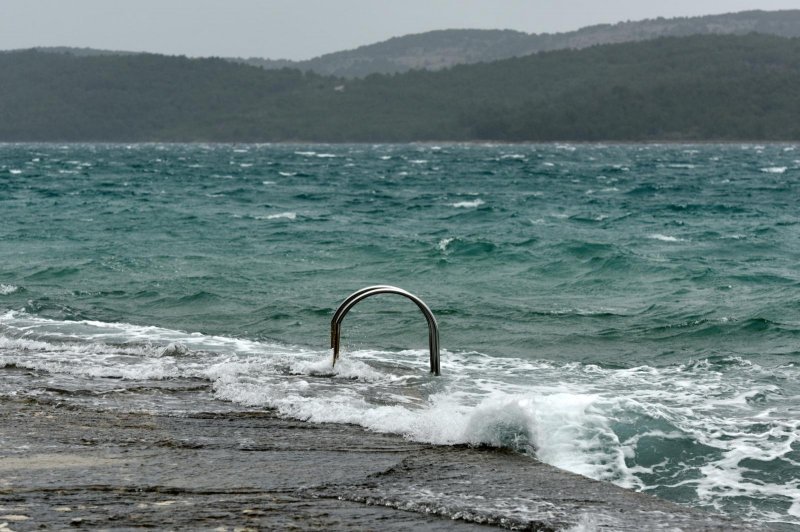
666,238
278,216
774,169
468,204
629,312
6,289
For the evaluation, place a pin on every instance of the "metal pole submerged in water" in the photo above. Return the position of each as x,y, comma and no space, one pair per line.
360,295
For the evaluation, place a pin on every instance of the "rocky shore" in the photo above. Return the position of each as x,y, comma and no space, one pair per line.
64,466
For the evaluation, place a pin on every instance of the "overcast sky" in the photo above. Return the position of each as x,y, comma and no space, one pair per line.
301,29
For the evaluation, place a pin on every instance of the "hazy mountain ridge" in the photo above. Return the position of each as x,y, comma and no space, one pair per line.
444,48
685,89
439,49
432,50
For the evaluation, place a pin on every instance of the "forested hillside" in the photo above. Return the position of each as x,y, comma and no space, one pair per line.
439,49
443,48
690,88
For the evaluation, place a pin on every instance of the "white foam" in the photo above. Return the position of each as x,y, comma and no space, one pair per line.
89,333
665,238
774,169
6,289
443,243
467,204
565,429
568,414
345,369
586,523
15,171
280,215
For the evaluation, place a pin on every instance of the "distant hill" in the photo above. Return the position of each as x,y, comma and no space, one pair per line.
440,49
708,87
429,51
435,50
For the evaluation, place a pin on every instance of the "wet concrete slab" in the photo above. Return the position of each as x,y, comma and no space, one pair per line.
64,466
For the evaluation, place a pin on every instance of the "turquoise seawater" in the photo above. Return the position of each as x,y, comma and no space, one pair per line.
627,312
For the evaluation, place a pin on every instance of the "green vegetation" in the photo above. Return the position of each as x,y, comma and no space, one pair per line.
444,48
689,88
434,50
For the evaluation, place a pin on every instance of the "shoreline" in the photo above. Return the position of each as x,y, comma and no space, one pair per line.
64,465
696,142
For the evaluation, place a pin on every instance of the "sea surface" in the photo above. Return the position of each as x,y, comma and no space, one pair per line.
627,312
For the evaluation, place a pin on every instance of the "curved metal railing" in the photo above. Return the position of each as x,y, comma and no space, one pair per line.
360,295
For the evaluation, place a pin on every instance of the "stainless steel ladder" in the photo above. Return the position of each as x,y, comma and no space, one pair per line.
360,295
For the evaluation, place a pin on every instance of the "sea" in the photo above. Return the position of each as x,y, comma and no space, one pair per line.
626,312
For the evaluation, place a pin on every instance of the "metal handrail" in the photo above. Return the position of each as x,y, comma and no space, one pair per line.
360,295
344,308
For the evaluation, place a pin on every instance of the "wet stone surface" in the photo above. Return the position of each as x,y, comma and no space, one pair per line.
68,467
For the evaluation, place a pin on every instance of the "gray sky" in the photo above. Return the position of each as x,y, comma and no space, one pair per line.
301,29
